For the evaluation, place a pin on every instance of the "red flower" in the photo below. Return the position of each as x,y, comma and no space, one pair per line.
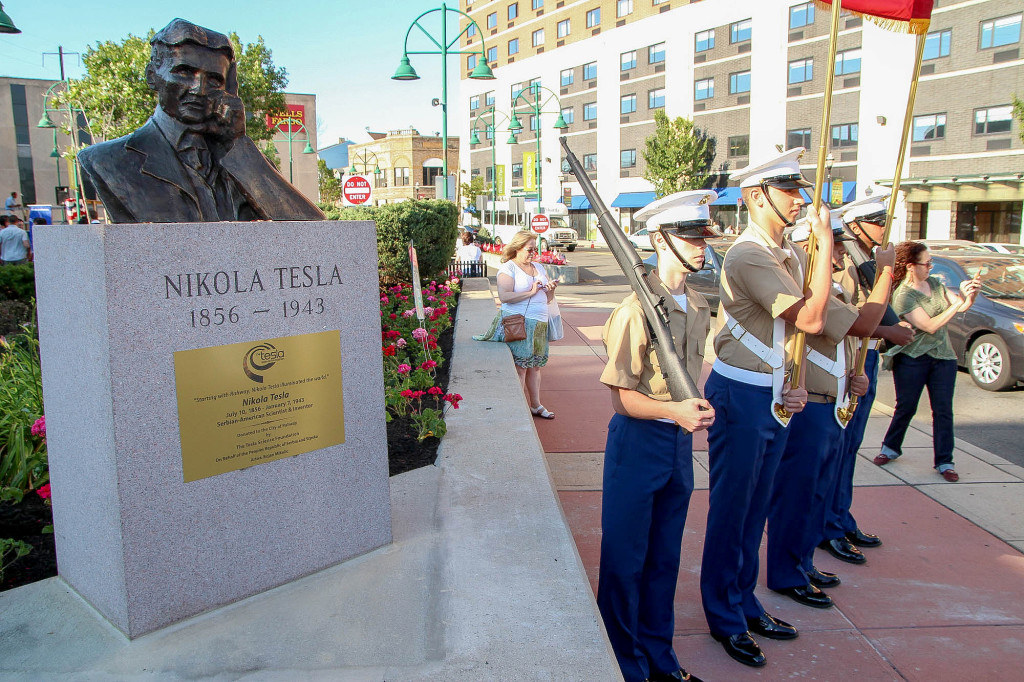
435,390
44,491
389,350
393,316
407,393
454,399
429,364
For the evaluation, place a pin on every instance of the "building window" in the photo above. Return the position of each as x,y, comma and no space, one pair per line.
538,37
931,127
627,60
513,11
492,20
476,172
492,55
739,146
656,98
656,53
517,171
474,102
401,177
471,30
844,135
704,40
799,137
590,111
563,28
488,174
993,120
740,31
848,62
704,89
566,77
535,123
471,62
590,162
623,8
568,115
627,158
516,89
999,32
801,15
489,98
429,174
739,82
801,71
590,71
513,47
627,104
489,133
537,4
594,17
936,44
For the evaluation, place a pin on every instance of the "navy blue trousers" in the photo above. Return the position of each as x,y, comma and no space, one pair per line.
648,480
838,518
910,376
745,445
803,483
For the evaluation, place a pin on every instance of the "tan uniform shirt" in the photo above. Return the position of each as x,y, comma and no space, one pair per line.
632,362
760,281
840,317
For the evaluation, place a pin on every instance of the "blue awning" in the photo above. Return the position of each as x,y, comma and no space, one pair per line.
849,192
633,199
579,202
727,196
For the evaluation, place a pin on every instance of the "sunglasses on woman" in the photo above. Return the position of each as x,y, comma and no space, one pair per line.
531,250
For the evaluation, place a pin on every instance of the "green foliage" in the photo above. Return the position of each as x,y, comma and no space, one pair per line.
270,151
18,283
11,551
678,155
432,227
330,185
13,314
23,461
117,100
1018,111
471,190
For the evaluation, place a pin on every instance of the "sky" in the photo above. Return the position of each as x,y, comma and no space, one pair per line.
343,51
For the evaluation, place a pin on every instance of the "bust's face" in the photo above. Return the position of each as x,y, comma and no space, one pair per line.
190,81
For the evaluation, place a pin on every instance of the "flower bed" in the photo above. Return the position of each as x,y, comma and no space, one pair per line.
545,257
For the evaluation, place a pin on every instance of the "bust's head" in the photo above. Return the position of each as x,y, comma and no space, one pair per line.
191,68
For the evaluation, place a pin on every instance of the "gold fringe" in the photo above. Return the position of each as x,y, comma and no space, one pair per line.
913,26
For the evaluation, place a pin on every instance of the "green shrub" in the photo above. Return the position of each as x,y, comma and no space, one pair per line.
23,461
431,225
17,283
13,314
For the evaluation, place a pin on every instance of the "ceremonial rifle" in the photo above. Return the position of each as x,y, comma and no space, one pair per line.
680,385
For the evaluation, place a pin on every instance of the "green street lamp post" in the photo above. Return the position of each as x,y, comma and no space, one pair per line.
291,131
6,24
539,97
363,156
46,122
405,71
490,127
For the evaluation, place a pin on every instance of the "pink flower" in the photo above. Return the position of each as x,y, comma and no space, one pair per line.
409,313
44,491
39,428
401,343
404,368
429,364
431,298
420,334
385,300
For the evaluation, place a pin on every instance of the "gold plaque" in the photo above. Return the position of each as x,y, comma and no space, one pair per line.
249,403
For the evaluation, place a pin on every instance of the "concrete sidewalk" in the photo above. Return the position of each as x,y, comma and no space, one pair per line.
941,599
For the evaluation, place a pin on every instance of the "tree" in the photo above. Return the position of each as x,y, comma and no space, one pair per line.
1018,111
117,100
678,155
471,190
330,185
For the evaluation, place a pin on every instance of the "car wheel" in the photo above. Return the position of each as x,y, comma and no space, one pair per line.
543,245
989,363
571,248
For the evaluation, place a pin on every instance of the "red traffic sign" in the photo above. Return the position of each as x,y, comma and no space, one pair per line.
540,223
356,190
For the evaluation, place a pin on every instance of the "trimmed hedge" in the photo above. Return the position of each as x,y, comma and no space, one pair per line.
17,283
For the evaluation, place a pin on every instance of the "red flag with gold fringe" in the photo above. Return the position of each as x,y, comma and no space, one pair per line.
905,16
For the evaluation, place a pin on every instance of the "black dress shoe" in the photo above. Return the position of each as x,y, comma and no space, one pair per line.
743,648
843,549
808,595
678,676
771,627
862,539
823,578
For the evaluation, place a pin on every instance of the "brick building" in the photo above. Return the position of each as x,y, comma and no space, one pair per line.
408,164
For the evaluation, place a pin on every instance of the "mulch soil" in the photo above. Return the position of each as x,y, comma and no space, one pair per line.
25,521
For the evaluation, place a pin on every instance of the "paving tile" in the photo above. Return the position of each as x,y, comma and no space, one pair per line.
576,470
915,467
581,424
571,374
997,507
934,568
981,453
878,425
867,472
1012,469
969,653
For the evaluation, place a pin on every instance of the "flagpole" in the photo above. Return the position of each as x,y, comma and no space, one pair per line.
800,348
908,118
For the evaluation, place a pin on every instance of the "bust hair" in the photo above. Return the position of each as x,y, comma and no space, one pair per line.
179,32
907,253
517,243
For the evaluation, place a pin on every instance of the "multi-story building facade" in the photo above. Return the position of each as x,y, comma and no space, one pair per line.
296,132
403,163
752,75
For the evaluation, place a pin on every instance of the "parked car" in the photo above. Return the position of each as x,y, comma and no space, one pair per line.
641,240
952,245
1015,249
707,280
988,338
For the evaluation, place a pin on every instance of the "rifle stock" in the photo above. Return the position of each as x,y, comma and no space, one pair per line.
680,385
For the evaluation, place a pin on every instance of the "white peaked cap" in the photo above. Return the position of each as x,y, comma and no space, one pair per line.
802,231
677,208
877,201
784,165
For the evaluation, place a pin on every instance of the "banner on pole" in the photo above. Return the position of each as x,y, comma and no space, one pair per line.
530,171
904,16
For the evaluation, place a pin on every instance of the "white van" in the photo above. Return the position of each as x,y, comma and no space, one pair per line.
505,224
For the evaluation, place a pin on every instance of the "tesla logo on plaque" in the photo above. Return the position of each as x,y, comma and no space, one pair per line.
356,190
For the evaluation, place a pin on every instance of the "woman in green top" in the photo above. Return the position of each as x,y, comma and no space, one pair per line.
929,359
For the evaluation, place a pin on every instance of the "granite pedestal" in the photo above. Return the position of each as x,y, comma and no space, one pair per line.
119,308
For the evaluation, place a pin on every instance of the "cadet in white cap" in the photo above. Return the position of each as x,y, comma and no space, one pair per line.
805,478
648,467
865,218
763,301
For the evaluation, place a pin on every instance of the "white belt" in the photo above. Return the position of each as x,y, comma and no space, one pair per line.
837,369
744,376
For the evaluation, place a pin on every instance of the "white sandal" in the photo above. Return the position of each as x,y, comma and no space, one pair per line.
541,411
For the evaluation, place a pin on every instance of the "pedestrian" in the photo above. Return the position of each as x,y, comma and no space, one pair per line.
810,461
11,203
15,247
648,466
842,536
524,289
469,256
929,360
763,296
